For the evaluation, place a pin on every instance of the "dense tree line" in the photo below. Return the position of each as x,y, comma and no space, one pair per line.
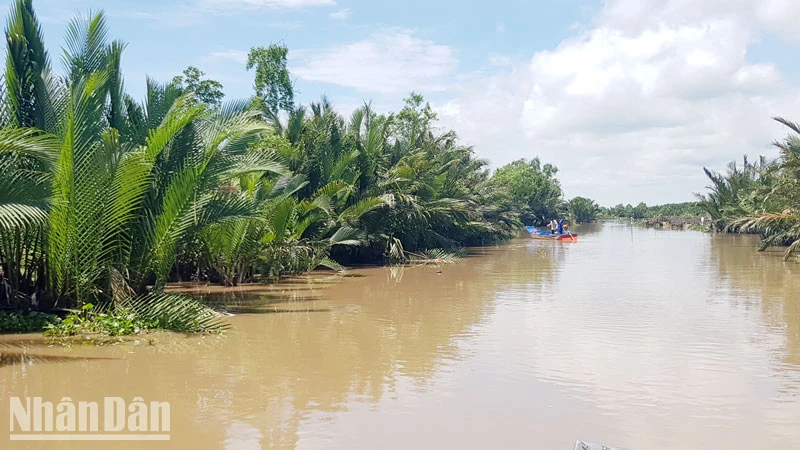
643,211
104,198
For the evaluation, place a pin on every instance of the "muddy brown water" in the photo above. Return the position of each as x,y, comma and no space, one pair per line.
635,338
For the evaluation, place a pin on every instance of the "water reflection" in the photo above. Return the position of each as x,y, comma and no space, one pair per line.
9,359
630,336
764,281
640,332
383,336
588,229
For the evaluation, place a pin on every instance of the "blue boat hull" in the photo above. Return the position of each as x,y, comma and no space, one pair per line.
547,235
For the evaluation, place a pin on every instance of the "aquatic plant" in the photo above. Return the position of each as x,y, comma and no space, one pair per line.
136,315
14,322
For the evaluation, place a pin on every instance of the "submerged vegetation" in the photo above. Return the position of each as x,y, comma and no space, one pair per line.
137,315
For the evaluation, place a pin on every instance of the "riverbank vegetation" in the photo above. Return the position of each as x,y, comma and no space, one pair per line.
760,197
105,198
643,211
583,210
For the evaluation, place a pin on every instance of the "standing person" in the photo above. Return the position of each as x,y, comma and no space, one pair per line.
561,226
553,226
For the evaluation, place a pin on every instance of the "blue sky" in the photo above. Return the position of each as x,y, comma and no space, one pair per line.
629,98
165,37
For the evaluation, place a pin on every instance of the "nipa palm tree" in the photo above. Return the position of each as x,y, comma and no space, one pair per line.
777,216
83,187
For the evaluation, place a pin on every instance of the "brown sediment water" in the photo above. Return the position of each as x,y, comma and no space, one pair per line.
636,338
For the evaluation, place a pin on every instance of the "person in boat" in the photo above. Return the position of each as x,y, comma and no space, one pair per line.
561,226
553,226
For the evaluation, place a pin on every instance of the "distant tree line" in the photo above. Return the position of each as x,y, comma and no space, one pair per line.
643,211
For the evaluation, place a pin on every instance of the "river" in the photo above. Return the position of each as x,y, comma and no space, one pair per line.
637,338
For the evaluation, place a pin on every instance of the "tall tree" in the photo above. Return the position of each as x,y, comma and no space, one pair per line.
204,90
583,209
273,84
416,118
533,188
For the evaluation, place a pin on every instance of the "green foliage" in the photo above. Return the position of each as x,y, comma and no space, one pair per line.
642,211
206,91
700,227
760,197
136,315
727,193
172,312
686,209
415,118
13,322
583,210
86,321
26,103
272,83
533,190
434,256
104,199
769,201
639,211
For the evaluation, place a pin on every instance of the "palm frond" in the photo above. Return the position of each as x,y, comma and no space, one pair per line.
27,67
86,49
13,216
331,264
29,142
353,213
174,312
348,236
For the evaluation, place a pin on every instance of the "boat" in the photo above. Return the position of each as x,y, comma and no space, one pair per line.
550,236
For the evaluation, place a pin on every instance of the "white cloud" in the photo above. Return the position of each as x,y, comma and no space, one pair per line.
632,108
501,60
229,6
393,61
239,56
780,16
198,12
341,14
777,16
